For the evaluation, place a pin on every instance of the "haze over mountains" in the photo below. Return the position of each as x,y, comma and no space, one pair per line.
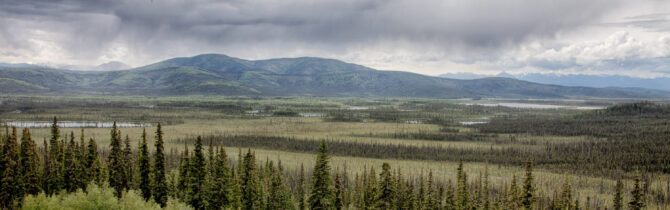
217,74
600,81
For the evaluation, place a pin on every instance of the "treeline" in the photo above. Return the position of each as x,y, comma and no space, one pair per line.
589,157
209,180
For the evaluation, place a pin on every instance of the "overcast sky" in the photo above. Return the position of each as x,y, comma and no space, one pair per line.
423,36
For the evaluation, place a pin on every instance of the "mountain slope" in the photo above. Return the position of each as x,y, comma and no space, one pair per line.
597,81
213,74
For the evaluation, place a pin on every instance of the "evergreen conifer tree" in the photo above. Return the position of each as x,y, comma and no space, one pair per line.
463,197
143,161
116,164
252,197
279,196
513,200
184,179
70,167
387,190
53,166
10,183
637,195
29,165
301,189
129,166
618,196
221,184
371,190
159,183
197,174
528,194
322,196
91,163
80,158
339,192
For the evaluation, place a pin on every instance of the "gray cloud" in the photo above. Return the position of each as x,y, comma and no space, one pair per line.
142,31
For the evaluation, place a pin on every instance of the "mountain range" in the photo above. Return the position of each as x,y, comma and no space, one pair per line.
584,80
217,74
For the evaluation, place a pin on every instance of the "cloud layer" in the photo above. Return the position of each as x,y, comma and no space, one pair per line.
390,34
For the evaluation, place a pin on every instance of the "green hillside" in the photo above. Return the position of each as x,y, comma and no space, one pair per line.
214,74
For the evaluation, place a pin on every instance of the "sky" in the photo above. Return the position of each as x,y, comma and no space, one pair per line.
429,37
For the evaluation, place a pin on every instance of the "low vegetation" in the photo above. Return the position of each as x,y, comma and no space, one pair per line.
626,143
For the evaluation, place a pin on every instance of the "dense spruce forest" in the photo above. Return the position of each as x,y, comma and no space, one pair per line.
206,178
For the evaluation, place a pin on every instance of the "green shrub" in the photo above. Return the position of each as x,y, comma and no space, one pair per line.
96,198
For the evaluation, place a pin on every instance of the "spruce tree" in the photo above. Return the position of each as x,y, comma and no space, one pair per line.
3,138
450,197
339,192
463,197
565,201
197,174
252,197
637,201
10,182
143,161
279,195
321,196
92,163
528,194
128,161
371,190
116,164
70,166
221,184
29,165
386,188
487,190
431,201
210,157
618,196
159,183
513,194
53,166
184,180
301,189
80,157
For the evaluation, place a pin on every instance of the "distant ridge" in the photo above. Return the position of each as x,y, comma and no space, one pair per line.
216,74
599,81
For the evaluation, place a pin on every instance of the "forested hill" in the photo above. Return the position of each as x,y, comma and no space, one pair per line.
215,74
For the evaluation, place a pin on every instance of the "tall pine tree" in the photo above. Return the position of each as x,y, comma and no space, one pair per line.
116,164
197,174
386,188
463,191
128,161
10,182
53,166
70,166
221,184
528,194
29,165
339,192
637,194
92,163
322,196
160,184
143,161
301,189
280,197
252,195
618,196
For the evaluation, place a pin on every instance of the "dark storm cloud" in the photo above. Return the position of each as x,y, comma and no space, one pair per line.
160,28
